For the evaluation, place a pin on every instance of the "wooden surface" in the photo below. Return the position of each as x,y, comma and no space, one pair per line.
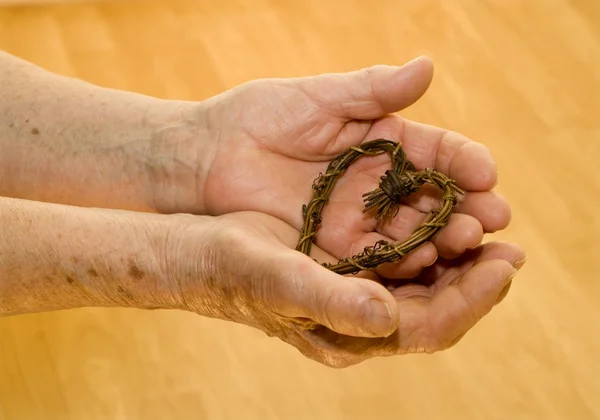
520,76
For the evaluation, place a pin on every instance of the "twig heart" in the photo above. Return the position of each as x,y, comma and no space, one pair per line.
397,183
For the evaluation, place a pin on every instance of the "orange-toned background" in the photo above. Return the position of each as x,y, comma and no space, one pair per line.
521,76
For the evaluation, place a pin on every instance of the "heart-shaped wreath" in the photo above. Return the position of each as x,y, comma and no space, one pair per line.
397,183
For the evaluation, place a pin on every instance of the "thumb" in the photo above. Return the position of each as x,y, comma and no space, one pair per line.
372,92
350,306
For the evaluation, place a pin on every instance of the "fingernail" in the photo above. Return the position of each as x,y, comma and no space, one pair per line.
409,64
418,58
380,318
520,264
511,276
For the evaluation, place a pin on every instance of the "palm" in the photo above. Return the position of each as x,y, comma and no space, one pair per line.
436,309
279,135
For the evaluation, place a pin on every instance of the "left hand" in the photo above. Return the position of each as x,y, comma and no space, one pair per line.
267,141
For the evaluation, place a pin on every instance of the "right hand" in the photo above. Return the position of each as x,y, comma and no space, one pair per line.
243,267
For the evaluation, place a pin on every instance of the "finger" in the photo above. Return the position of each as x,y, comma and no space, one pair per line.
457,308
409,266
372,92
495,250
490,208
468,162
504,293
431,322
448,271
461,233
347,305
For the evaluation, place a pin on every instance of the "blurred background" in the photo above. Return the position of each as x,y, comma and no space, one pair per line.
520,76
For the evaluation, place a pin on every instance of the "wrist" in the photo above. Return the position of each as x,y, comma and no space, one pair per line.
131,263
178,160
189,252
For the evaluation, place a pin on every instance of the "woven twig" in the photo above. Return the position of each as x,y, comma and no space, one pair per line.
398,182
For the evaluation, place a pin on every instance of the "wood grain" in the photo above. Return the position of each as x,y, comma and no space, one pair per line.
522,77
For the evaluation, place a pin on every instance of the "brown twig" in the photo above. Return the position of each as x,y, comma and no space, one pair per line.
398,182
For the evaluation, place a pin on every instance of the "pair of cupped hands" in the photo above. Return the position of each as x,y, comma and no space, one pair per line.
274,137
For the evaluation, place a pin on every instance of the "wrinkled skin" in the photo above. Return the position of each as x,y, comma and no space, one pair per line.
268,141
240,267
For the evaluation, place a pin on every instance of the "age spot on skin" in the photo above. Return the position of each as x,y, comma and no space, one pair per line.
134,271
35,131
70,280
92,272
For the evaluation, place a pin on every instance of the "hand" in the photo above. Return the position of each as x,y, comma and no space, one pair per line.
241,267
269,139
